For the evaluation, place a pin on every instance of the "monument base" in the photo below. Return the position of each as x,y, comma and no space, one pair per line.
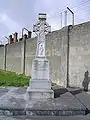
40,85
39,94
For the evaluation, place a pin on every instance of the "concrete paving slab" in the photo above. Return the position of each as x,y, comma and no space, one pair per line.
3,90
14,98
84,98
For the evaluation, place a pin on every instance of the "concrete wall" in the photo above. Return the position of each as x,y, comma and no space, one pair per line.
1,57
79,53
14,57
57,53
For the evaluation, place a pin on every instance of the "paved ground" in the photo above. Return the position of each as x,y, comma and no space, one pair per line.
12,97
84,98
70,99
47,118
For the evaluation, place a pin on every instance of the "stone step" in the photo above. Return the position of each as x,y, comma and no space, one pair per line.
32,112
12,102
45,117
40,84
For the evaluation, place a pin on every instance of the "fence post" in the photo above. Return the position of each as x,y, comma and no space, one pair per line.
65,18
61,19
72,15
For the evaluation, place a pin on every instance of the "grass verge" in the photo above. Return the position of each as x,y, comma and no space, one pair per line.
8,78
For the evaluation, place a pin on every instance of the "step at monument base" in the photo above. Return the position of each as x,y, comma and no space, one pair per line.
39,94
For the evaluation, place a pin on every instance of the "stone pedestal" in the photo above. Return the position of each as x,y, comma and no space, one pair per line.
40,85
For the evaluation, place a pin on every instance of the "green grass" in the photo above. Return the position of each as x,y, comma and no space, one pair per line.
8,78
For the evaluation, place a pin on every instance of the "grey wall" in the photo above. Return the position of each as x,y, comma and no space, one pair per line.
1,57
56,51
14,57
79,53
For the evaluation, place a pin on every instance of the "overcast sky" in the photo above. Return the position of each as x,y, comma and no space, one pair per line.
16,14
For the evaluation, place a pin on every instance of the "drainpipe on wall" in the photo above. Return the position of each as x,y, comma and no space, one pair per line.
24,52
68,48
5,56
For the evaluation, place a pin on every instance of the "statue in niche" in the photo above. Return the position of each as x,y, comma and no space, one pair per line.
41,49
86,81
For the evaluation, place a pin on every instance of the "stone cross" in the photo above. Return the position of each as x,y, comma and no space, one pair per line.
41,28
39,88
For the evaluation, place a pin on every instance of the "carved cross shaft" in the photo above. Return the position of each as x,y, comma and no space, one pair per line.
41,28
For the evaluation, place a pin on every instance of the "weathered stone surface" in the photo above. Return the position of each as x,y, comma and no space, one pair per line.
66,104
14,98
13,103
40,85
84,98
74,90
46,118
58,92
3,90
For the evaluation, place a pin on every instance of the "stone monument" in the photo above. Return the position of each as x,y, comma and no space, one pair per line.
40,84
